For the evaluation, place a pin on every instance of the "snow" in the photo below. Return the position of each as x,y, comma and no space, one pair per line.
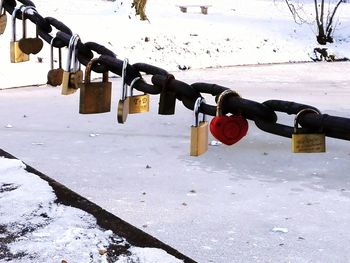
215,143
280,230
44,230
224,205
233,33
147,255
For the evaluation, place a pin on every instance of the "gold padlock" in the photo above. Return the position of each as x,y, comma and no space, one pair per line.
3,18
29,45
95,97
54,76
17,55
307,142
72,75
123,104
138,103
199,132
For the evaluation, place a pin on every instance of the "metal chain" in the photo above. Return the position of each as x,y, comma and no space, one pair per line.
263,114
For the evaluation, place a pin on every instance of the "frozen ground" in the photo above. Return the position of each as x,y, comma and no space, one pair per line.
251,202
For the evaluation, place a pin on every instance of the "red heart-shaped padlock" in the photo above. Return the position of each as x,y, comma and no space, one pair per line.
229,129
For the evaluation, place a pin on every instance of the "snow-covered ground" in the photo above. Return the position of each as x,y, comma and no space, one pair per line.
252,202
233,33
35,228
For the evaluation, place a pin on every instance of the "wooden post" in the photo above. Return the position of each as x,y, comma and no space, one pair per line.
204,10
183,9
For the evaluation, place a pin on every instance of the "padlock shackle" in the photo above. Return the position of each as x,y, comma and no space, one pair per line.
72,53
24,23
52,56
76,64
196,107
133,82
14,13
124,84
300,113
88,70
51,53
2,8
223,95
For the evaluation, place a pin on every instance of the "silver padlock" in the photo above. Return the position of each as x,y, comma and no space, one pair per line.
72,75
123,104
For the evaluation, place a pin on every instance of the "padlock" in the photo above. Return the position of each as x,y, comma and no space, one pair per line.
3,18
54,76
72,75
167,99
138,103
17,55
228,129
123,105
29,45
302,142
199,132
95,97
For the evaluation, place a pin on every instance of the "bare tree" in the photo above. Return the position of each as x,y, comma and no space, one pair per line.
295,11
325,29
324,19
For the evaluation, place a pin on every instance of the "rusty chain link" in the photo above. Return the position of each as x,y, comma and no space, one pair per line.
263,114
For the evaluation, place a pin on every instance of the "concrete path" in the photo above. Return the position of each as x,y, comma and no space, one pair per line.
251,202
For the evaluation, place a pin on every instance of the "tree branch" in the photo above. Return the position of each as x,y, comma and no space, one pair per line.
329,25
317,15
322,13
294,13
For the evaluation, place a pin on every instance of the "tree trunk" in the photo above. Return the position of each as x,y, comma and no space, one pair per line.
140,8
321,37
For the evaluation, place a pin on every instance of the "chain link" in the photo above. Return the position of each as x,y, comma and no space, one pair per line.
59,26
263,114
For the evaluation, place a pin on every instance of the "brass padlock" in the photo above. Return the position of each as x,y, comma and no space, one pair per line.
29,45
307,142
72,75
95,97
54,76
123,104
17,55
3,18
138,103
199,132
167,99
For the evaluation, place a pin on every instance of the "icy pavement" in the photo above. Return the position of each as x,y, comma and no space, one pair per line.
251,202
